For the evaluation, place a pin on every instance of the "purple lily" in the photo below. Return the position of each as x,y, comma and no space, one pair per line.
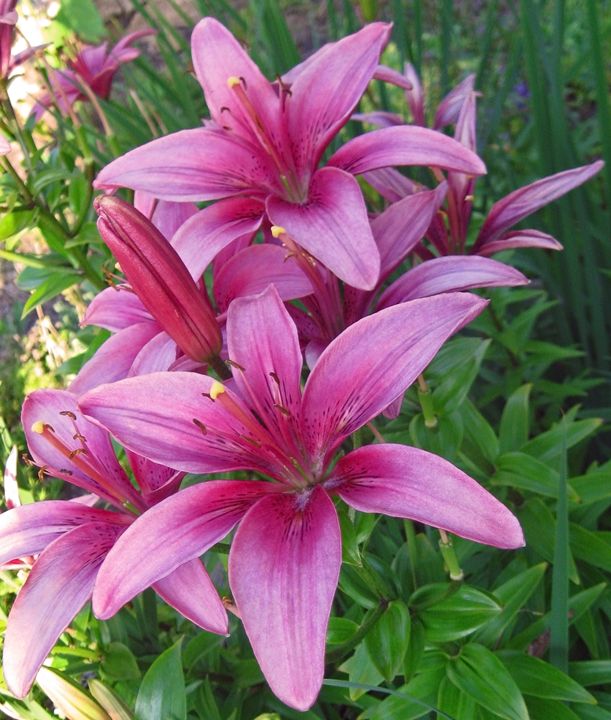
286,555
72,539
93,67
265,143
458,108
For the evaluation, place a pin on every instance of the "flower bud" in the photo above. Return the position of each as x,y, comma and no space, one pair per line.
160,279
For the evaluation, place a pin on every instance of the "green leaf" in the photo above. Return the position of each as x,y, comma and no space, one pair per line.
361,670
591,672
340,630
578,605
351,583
480,674
48,177
449,394
411,701
536,677
548,446
591,547
539,525
388,639
162,694
458,615
512,595
82,17
14,222
119,662
546,709
516,469
78,195
52,286
513,431
479,432
455,702
595,485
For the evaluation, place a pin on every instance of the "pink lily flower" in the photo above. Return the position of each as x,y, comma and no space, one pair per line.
286,555
458,108
72,539
95,67
265,142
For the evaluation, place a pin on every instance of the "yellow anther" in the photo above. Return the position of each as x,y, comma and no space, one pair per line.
277,230
216,389
233,81
38,427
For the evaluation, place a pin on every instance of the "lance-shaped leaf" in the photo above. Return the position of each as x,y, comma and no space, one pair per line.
160,278
530,198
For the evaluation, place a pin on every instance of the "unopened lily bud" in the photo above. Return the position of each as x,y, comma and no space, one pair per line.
69,699
159,277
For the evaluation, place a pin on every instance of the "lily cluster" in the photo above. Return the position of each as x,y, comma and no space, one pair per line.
205,373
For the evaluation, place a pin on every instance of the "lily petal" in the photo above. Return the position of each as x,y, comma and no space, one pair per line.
333,227
450,274
373,361
405,145
189,590
58,586
28,529
403,224
212,229
519,239
114,359
450,107
170,418
252,269
283,571
217,57
391,185
116,309
57,408
530,198
406,482
262,340
326,91
157,355
170,534
197,164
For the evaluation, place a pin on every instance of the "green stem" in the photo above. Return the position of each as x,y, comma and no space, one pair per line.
412,549
449,557
426,403
338,653
219,367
